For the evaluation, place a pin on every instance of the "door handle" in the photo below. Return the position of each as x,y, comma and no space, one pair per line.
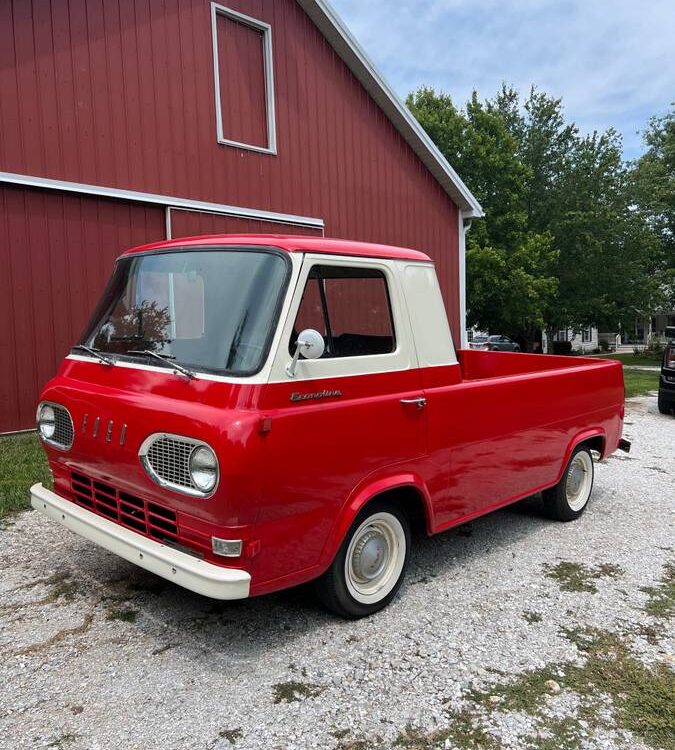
420,402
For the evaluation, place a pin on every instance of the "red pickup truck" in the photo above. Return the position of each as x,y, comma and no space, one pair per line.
247,413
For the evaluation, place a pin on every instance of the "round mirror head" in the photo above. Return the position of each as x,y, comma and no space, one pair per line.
311,344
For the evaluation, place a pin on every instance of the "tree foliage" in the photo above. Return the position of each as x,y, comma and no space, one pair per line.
653,184
564,242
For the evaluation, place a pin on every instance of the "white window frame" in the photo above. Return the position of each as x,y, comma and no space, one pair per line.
266,30
402,358
586,335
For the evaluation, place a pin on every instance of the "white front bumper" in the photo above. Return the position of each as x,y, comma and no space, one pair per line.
190,572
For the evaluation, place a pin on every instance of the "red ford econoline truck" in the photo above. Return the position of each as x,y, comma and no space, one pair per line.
247,413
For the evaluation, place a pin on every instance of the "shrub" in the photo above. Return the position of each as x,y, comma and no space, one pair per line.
562,347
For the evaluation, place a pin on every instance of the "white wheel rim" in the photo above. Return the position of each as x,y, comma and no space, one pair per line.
579,480
375,558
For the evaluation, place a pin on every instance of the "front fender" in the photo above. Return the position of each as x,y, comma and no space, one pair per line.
369,489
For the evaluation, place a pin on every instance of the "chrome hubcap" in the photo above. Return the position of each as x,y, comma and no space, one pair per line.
578,483
371,555
375,558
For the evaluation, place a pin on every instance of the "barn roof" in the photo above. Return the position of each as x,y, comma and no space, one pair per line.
353,55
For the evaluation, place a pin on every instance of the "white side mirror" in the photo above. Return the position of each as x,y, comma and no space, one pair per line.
310,344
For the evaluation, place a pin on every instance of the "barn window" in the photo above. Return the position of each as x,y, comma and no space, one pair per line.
244,80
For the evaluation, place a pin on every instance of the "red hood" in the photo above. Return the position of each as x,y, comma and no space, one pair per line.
114,409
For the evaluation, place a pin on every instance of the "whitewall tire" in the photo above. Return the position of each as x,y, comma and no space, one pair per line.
370,564
569,498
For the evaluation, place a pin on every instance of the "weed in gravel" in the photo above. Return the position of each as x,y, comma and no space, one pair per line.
560,734
577,577
359,745
287,692
641,695
63,740
65,589
231,735
125,615
662,597
464,732
532,617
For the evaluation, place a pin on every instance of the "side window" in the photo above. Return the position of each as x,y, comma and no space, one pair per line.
350,307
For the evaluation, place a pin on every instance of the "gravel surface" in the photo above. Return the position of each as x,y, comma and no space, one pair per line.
95,653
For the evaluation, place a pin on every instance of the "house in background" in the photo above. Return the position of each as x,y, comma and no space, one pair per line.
649,330
584,341
128,122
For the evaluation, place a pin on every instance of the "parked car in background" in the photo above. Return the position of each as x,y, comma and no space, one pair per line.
667,379
494,344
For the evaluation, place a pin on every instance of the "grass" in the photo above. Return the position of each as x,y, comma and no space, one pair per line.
231,735
124,615
640,382
641,695
463,732
575,576
662,597
22,463
629,358
288,692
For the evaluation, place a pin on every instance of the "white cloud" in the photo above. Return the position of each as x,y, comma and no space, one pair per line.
612,61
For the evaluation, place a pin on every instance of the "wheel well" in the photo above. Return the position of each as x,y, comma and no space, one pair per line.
596,443
409,499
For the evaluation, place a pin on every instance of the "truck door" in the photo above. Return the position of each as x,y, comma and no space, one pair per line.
343,417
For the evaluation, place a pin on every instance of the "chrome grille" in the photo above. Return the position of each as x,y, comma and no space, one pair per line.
169,458
166,458
63,434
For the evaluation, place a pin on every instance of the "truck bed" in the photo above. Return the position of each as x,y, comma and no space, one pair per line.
476,364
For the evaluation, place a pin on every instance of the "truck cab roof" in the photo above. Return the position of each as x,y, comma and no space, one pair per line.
290,243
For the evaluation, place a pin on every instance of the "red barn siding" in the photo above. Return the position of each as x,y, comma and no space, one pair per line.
190,223
121,94
58,252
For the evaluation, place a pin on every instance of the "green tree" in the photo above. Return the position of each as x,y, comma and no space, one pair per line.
562,243
510,268
653,190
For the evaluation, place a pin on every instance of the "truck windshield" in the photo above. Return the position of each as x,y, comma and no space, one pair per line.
213,310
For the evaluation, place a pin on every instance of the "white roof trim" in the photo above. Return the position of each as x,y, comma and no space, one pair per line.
168,201
354,56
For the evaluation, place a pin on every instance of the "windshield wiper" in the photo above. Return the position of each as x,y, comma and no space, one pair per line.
167,360
95,353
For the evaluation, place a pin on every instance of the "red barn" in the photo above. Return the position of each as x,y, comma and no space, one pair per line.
127,122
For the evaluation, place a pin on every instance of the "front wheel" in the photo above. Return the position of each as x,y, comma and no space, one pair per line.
569,498
370,564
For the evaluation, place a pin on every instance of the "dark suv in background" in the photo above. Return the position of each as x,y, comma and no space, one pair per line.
667,379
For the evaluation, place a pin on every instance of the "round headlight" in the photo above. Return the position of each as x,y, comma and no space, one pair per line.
204,468
46,421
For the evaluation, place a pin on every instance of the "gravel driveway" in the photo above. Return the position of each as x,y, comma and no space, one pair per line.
512,631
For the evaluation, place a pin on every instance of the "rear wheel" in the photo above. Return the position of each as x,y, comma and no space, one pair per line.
569,498
370,564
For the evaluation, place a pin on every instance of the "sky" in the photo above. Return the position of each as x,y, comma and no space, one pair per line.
611,61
